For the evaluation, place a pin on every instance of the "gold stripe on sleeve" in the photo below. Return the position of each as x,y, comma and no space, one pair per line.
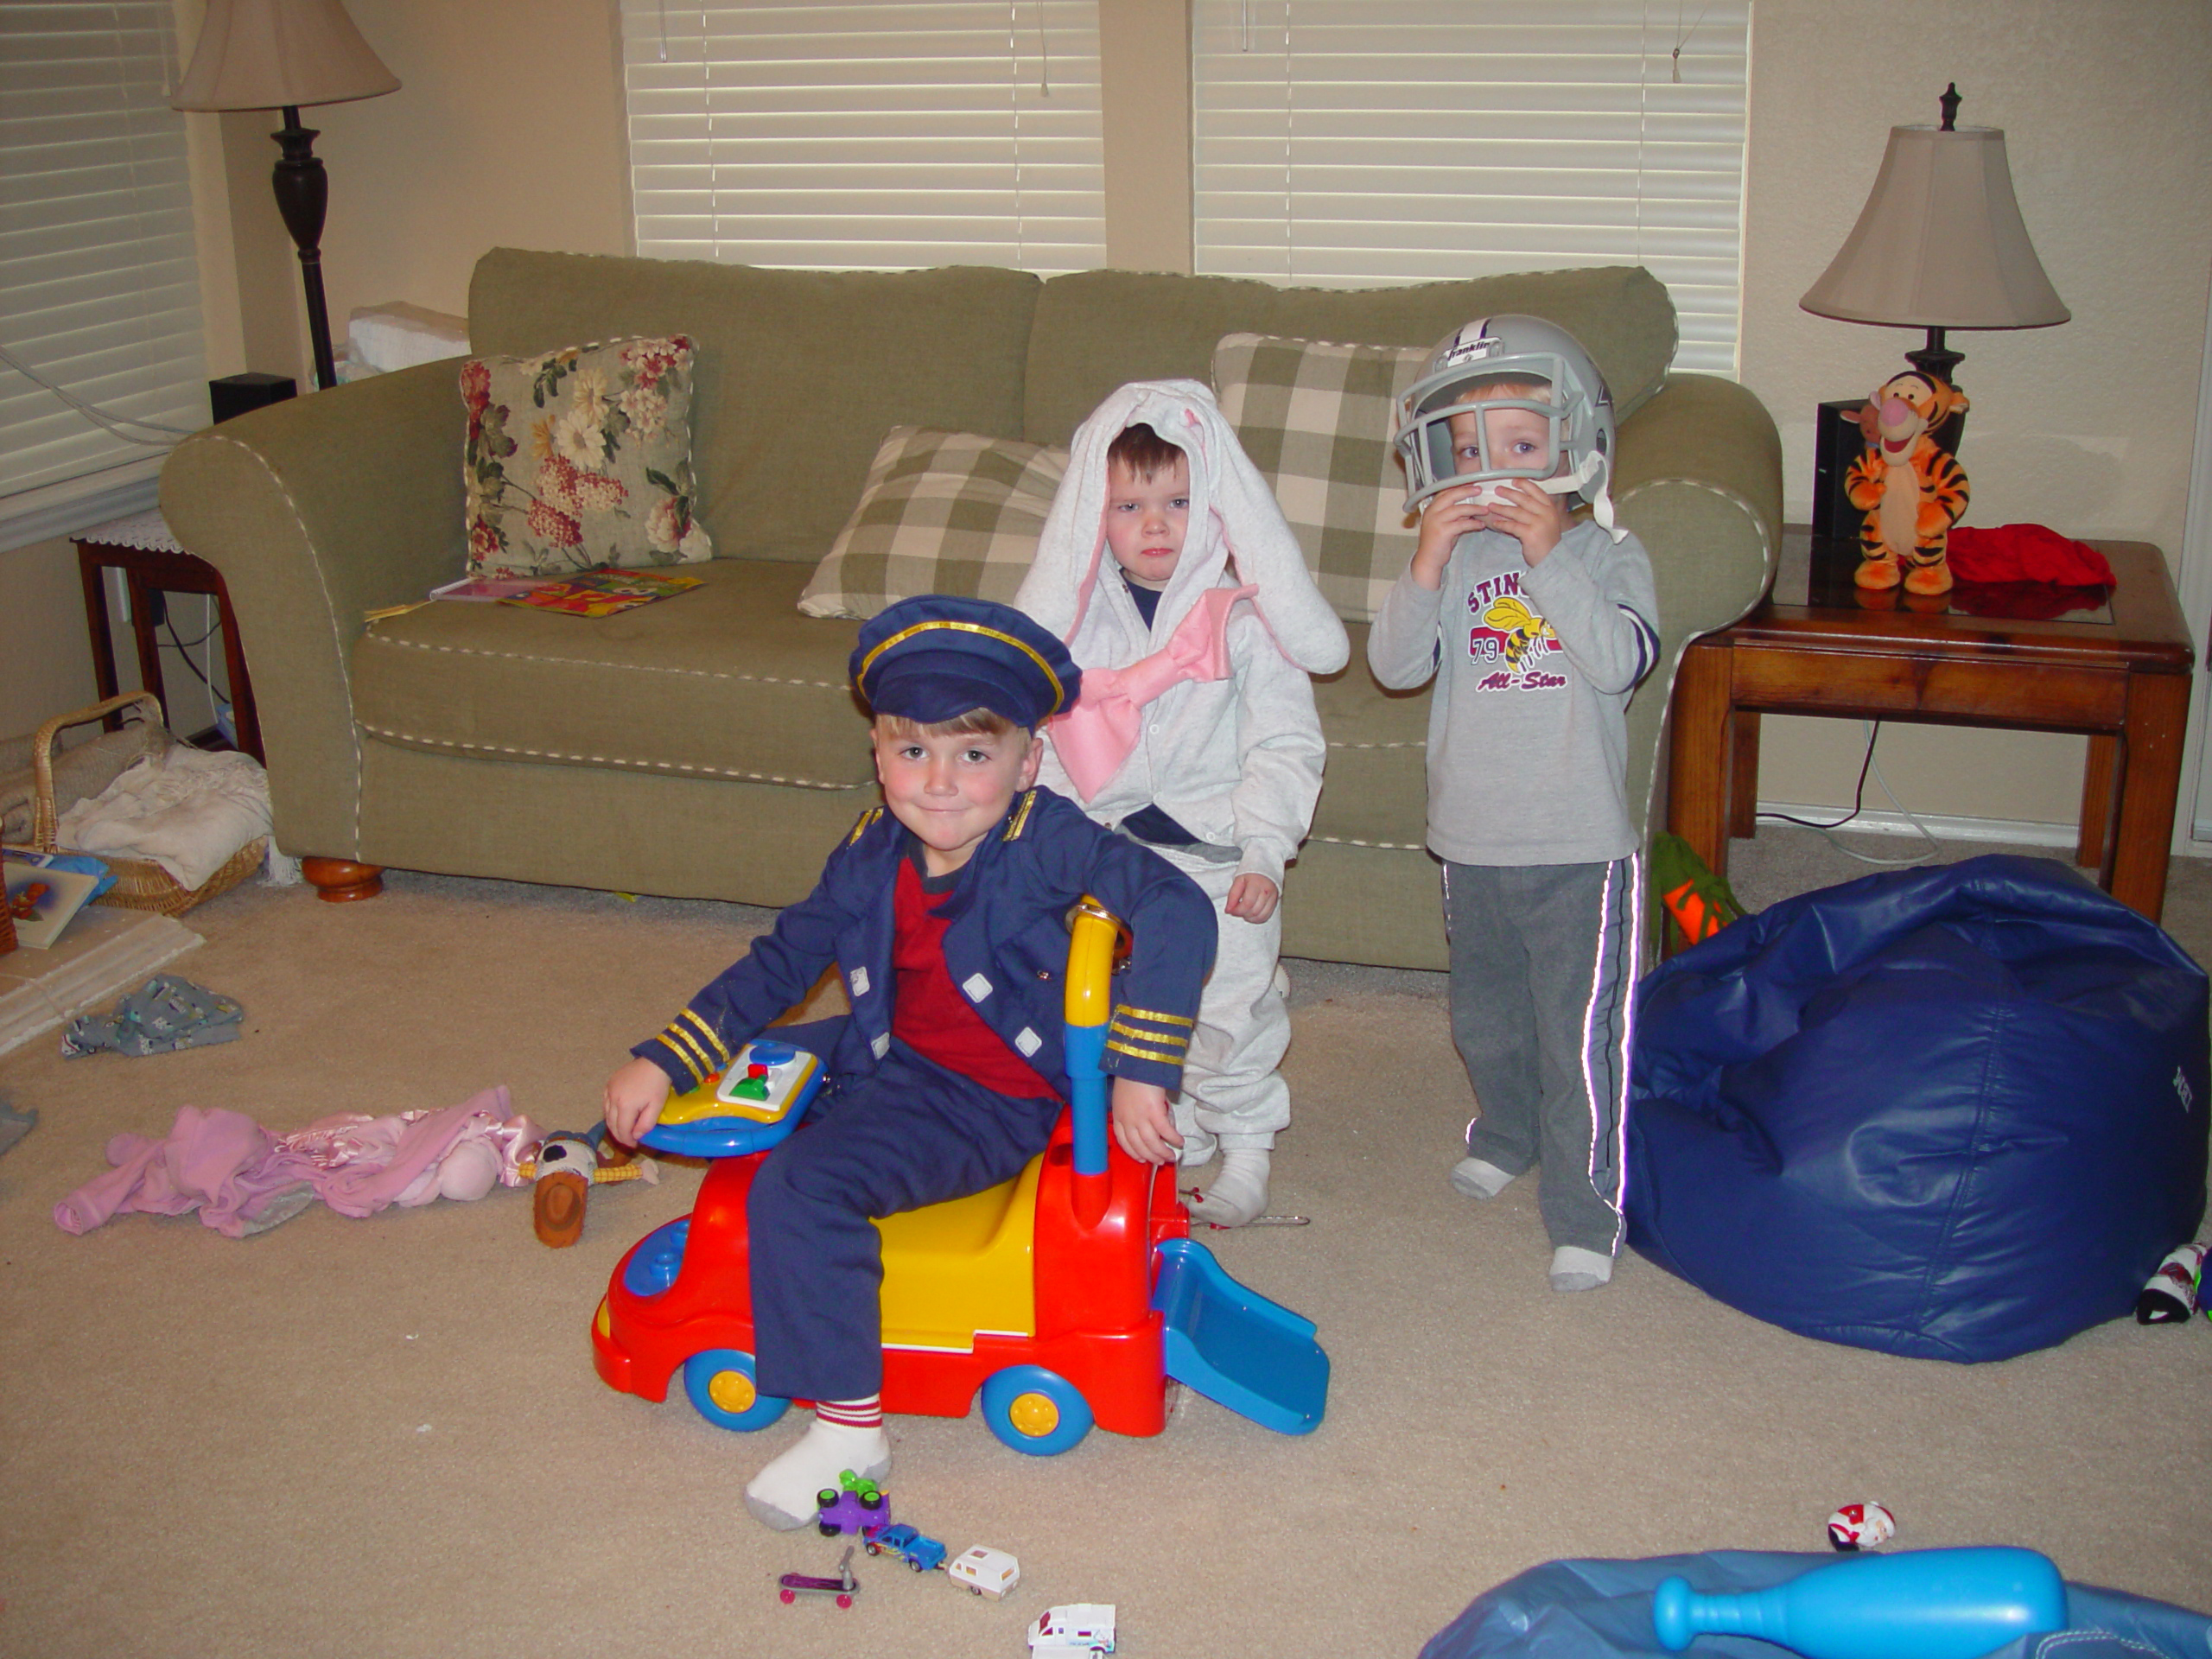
689,1052
708,1032
1122,1009
1146,1054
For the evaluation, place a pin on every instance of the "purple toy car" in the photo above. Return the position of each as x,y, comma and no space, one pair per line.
854,1505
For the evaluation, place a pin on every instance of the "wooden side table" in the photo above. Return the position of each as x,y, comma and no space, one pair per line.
152,562
2115,665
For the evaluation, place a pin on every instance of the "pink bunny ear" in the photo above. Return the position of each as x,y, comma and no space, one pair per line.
1084,588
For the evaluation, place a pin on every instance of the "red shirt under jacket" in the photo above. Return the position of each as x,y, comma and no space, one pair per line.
928,1011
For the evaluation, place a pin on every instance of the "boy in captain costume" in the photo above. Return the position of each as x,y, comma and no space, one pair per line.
944,911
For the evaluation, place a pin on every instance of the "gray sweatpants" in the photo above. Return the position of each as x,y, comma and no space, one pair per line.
1543,965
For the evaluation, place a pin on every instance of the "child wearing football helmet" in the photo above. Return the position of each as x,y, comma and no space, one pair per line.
1536,627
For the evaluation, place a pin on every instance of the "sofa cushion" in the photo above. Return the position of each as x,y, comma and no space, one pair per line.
1375,792
581,457
943,512
800,373
1316,418
725,681
1095,330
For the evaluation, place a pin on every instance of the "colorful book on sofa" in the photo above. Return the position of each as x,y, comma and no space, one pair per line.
602,593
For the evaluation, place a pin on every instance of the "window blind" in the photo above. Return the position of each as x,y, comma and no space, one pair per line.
99,281
866,134
1356,142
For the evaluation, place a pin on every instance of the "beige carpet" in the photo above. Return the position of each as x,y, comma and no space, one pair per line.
384,1436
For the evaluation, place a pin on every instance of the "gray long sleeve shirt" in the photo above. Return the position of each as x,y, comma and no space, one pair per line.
1528,746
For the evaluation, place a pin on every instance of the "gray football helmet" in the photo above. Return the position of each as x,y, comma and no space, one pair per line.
1578,412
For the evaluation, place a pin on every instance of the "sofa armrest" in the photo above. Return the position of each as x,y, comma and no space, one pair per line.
1698,479
315,511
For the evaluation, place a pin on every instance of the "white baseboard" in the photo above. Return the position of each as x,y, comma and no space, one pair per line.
2019,832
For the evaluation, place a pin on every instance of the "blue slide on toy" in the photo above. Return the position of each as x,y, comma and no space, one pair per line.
1235,1346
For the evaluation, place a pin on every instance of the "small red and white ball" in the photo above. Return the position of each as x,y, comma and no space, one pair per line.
1861,1526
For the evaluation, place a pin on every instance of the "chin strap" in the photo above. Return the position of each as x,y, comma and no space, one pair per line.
1589,480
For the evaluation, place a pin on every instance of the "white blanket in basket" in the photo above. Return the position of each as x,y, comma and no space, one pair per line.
188,810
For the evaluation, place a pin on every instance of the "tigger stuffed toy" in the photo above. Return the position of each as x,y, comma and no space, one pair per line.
1911,490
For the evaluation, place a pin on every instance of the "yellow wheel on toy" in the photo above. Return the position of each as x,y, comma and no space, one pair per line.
733,1391
1035,1411
723,1390
1034,1415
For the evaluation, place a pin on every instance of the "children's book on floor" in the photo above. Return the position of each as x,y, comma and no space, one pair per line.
43,901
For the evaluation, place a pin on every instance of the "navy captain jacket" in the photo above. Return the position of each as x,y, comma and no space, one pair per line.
1006,947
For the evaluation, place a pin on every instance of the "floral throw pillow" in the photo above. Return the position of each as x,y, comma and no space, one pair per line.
580,458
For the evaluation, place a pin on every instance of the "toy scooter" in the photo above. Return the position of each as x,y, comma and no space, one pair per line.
1069,1295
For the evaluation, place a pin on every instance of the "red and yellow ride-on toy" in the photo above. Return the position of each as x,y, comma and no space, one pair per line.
1069,1295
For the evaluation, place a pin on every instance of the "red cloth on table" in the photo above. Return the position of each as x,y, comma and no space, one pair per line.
2025,553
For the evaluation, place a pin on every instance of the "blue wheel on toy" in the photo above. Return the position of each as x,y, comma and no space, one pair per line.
720,1384
1034,1410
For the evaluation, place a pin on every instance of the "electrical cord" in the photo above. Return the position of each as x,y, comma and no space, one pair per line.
1858,803
112,425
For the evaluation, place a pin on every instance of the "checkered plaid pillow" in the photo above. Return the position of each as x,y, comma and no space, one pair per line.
941,512
1316,420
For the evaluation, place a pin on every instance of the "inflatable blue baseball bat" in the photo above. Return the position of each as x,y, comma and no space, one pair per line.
1926,1603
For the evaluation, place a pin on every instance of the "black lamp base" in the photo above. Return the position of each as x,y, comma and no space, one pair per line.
303,197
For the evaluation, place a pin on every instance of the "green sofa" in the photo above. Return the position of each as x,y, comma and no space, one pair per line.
708,747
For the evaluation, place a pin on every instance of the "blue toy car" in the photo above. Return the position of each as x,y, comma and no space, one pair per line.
919,1553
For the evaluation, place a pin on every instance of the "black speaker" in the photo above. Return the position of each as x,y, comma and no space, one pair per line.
1837,439
234,394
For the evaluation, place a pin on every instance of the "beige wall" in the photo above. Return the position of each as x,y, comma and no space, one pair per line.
508,128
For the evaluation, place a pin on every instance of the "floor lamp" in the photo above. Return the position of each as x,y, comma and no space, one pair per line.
282,54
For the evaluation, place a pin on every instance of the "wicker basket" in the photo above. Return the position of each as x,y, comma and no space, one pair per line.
140,883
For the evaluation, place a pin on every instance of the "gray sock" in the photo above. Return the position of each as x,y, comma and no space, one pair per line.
1576,1268
1478,1179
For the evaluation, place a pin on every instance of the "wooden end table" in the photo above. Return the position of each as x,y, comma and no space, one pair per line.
2114,664
152,562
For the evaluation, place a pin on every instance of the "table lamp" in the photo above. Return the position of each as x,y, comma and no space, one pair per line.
281,54
1940,245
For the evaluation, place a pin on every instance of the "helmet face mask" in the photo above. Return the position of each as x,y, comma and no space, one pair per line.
1448,463
1539,367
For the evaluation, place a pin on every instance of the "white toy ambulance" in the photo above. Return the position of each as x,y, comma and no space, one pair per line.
986,1571
1079,1627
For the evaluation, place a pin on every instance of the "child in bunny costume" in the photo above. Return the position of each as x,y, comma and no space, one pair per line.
1166,567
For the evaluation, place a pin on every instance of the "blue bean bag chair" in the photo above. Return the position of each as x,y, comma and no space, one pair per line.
1957,1113
1602,1610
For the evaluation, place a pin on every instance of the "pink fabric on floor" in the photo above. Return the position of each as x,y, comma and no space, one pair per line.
229,1168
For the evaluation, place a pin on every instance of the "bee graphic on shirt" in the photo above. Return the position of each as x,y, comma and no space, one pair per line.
1509,638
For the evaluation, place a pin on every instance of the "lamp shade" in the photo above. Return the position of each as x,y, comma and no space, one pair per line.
267,54
1940,243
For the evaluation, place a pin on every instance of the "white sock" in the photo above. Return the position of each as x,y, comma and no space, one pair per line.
1198,1147
782,1495
1238,1194
1576,1268
1478,1179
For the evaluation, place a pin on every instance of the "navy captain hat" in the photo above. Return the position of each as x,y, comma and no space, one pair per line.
936,657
